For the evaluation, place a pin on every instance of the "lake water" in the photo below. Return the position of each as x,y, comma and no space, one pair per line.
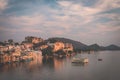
63,69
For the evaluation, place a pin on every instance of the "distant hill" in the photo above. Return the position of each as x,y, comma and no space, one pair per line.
95,47
112,47
80,46
76,44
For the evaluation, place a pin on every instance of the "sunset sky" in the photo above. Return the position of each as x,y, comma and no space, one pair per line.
87,21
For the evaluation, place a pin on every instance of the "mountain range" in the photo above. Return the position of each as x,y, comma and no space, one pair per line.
81,46
77,45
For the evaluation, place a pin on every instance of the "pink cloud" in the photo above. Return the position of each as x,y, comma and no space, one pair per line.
31,20
3,4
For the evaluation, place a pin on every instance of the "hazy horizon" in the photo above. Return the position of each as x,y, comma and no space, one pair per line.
87,21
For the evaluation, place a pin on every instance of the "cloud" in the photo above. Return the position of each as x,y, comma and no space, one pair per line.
65,3
14,24
75,15
3,5
66,18
27,20
108,4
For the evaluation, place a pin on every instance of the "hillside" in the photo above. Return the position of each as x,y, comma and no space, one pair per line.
76,44
112,47
80,46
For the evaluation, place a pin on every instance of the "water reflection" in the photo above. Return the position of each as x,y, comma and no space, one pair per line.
31,66
8,67
79,64
55,63
54,68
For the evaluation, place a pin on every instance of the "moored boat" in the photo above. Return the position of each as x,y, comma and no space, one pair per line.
80,60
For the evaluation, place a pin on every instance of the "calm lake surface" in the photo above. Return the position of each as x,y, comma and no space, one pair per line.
63,69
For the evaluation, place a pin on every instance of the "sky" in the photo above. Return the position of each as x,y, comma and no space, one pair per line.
87,21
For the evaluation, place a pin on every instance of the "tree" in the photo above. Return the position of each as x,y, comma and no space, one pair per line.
10,41
47,51
16,43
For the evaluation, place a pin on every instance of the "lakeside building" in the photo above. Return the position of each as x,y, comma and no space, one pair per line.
68,47
58,46
20,52
27,49
32,39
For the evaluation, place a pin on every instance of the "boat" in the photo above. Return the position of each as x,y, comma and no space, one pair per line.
99,59
80,60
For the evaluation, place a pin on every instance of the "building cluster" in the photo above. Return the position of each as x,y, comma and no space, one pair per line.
33,40
59,48
27,50
20,52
